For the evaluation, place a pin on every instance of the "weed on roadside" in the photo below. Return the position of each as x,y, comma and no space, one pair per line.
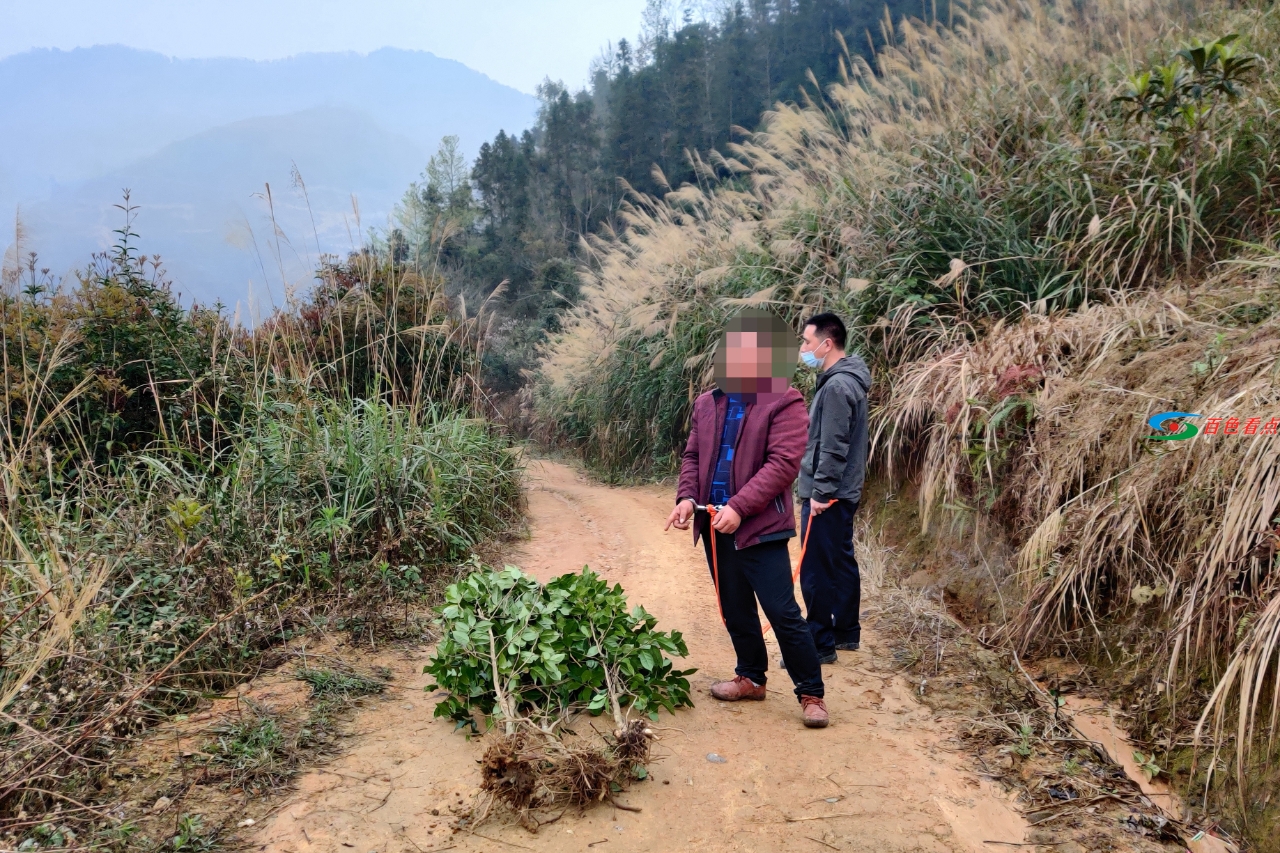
254,753
192,837
335,683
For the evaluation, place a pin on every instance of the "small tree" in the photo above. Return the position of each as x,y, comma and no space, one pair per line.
1179,99
438,207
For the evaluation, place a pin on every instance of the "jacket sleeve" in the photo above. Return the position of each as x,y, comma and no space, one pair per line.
833,444
688,485
784,448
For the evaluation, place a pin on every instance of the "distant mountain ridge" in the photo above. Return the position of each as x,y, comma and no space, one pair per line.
195,138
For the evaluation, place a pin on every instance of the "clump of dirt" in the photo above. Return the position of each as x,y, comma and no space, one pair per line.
509,772
634,743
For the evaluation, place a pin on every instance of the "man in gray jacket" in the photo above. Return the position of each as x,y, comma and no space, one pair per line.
831,477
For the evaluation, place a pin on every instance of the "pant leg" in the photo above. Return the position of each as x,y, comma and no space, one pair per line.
847,625
814,587
767,567
738,603
829,578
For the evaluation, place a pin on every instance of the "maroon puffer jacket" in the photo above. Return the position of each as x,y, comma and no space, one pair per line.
766,461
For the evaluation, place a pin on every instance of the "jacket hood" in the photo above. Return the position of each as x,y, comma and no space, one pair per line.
850,365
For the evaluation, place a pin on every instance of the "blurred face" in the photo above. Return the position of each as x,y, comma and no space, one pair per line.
747,357
757,355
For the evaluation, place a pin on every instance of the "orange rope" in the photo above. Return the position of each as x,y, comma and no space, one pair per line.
795,573
715,563
715,566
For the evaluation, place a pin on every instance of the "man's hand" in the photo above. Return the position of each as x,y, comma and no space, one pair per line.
727,520
816,506
680,516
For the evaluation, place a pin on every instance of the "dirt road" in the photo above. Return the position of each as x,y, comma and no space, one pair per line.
880,778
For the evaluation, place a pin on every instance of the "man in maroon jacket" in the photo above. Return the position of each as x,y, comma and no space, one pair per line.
745,445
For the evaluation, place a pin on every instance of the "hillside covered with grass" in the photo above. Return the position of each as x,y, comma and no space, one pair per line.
1047,222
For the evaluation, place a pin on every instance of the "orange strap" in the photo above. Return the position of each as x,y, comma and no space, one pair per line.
715,564
795,573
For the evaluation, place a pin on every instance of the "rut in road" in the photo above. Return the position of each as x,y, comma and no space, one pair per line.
880,778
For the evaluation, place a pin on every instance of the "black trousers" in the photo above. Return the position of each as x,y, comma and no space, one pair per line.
829,578
764,572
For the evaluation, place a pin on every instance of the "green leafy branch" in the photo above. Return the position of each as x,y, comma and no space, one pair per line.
519,651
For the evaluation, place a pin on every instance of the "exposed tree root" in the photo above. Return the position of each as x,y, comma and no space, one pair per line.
531,770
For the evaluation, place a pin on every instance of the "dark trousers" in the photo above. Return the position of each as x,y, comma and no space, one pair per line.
764,571
829,578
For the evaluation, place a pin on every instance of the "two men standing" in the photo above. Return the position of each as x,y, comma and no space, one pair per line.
749,439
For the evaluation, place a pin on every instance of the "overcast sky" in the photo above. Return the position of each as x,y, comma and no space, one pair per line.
516,42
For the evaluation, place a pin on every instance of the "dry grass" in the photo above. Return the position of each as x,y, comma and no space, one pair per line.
1116,528
833,162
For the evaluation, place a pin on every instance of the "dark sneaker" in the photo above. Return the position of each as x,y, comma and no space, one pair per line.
831,658
737,690
848,647
815,712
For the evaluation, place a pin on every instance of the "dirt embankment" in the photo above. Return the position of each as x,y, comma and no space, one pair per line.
885,776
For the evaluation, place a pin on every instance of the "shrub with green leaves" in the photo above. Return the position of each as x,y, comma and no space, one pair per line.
514,650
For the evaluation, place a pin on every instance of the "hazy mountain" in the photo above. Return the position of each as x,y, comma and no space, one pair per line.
196,139
202,201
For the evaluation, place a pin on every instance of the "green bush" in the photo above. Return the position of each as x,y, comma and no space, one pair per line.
555,649
181,494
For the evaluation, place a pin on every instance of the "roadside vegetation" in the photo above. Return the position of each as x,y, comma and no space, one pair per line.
1048,222
180,495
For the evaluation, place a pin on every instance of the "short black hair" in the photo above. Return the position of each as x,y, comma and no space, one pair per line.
828,325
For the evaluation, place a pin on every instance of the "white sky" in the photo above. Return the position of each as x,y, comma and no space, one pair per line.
516,42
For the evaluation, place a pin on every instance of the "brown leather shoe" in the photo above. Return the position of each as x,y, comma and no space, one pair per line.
737,690
815,712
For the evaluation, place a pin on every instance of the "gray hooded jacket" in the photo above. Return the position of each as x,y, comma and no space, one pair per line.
835,459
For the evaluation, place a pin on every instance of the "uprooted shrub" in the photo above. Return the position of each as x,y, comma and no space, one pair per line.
529,657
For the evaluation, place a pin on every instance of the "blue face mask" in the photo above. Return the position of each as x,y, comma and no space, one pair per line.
810,359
